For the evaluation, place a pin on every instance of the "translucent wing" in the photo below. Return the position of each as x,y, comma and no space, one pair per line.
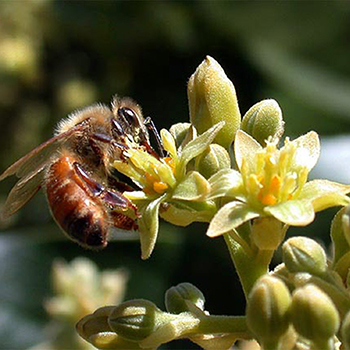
22,192
30,170
39,155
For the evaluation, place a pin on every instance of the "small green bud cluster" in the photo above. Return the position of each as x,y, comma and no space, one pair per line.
301,303
139,324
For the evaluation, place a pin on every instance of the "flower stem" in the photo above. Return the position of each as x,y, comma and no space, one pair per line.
236,325
249,268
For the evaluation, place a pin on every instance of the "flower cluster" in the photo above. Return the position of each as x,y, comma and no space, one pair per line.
249,194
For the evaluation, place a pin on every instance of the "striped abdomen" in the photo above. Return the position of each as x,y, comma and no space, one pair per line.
77,211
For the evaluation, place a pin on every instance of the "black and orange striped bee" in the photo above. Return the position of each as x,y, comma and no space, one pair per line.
74,168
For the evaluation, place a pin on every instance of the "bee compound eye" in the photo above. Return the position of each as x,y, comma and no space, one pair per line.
129,115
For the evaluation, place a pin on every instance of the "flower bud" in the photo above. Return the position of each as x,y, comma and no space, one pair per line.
135,320
212,160
179,298
262,120
346,224
301,254
267,233
313,314
94,323
212,98
268,309
345,331
95,329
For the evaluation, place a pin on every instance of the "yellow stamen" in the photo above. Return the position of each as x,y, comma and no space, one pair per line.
160,187
269,199
275,184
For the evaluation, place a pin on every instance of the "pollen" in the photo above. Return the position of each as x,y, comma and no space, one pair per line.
269,199
275,184
160,187
170,162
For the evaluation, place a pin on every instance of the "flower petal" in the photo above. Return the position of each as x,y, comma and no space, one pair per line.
308,150
230,216
185,216
298,212
168,142
227,182
245,148
324,194
193,188
148,226
199,144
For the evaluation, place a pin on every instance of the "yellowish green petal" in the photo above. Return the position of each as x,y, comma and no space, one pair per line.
230,216
324,194
183,133
246,148
168,142
227,182
184,217
193,188
198,145
148,226
297,212
308,150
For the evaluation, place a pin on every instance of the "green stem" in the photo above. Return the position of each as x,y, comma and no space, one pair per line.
249,268
236,325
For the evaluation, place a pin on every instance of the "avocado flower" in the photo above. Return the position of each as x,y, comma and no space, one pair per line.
169,187
272,183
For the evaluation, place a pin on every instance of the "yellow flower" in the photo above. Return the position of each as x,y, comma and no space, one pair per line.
272,182
168,181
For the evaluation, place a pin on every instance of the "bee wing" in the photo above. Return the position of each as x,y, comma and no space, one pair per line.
36,158
22,192
30,170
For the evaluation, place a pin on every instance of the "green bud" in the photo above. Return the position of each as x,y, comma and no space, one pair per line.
346,224
135,320
301,254
212,160
95,323
267,233
182,133
268,309
212,98
345,331
263,120
179,298
314,315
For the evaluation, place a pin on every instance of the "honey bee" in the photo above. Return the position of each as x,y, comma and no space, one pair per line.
74,170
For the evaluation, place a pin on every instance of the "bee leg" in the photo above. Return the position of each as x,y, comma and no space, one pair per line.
148,122
114,199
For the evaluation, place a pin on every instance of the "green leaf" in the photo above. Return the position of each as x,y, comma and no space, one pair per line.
193,188
324,194
230,216
148,226
298,212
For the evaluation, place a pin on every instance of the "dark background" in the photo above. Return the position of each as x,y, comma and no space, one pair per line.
56,56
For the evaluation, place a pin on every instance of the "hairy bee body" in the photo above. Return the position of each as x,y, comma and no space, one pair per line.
75,170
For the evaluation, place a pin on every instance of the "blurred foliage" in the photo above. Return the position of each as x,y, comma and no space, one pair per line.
56,56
